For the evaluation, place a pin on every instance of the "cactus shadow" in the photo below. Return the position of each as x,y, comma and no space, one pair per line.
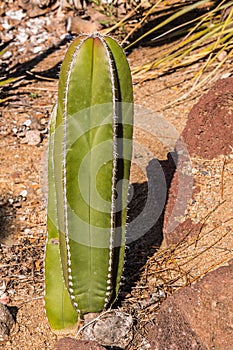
146,210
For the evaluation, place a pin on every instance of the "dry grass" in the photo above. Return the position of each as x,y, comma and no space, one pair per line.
180,265
203,43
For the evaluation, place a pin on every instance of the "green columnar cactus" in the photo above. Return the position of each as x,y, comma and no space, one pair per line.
90,153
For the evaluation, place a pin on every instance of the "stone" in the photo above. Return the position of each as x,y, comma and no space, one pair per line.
209,128
6,323
32,137
198,317
76,25
112,328
205,142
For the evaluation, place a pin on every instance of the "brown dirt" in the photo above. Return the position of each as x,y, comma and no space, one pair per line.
23,214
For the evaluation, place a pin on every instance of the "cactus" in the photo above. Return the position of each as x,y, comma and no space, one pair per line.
90,151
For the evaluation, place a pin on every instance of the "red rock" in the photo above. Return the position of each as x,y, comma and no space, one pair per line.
207,135
209,127
74,344
198,317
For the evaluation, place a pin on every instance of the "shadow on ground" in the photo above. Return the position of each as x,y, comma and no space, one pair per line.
145,218
23,71
23,74
183,23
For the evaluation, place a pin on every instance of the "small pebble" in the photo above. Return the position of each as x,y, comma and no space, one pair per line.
37,49
221,56
22,36
7,55
27,123
27,231
16,15
14,130
32,137
23,193
6,323
194,171
6,25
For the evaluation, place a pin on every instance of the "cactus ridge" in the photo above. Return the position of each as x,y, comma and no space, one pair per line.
114,132
70,279
114,169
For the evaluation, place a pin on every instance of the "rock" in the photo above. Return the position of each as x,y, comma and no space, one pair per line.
209,127
198,317
32,137
201,180
74,344
76,25
113,328
6,322
222,55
